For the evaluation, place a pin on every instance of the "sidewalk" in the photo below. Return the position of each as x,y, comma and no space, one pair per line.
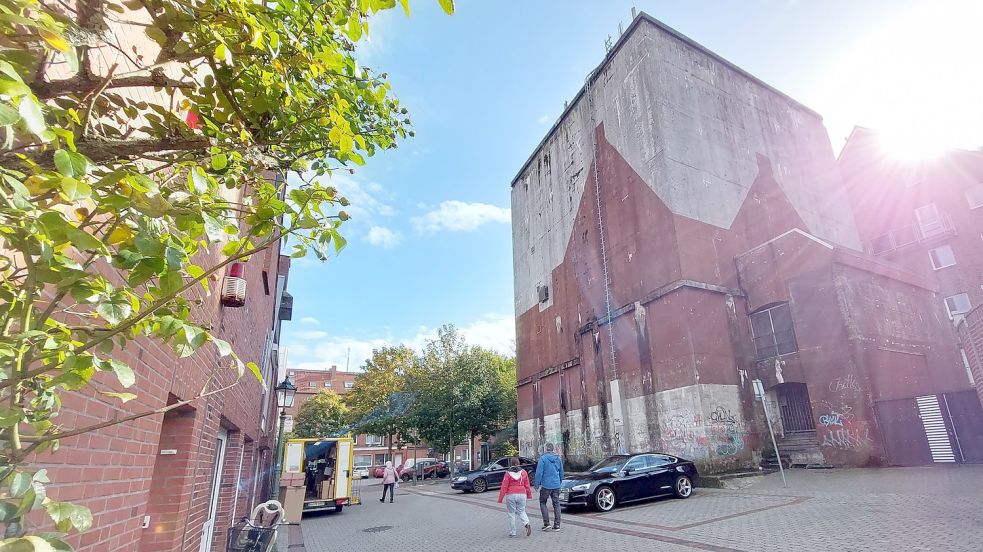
897,509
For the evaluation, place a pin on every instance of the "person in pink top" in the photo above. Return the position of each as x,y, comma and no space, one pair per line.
389,476
515,490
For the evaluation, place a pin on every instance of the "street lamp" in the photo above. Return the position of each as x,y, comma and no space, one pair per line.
285,399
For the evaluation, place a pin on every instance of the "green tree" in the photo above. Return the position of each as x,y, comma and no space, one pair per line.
378,399
114,211
431,383
323,415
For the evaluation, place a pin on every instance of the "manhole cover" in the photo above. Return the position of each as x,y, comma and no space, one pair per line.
378,529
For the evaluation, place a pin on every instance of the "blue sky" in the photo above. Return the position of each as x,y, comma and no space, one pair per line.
430,238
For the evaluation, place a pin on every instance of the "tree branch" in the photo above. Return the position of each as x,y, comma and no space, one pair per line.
83,85
18,457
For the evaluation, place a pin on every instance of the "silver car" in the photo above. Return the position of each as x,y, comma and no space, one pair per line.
361,472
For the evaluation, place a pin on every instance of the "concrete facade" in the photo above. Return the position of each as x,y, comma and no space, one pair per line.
676,197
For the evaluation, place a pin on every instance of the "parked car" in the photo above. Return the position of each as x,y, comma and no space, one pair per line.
628,478
405,466
361,472
426,469
489,476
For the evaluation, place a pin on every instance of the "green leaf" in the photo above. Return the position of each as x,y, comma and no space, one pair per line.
63,163
354,28
124,397
8,511
406,6
30,111
222,53
10,417
20,484
73,189
156,35
84,241
123,372
224,349
197,181
171,282
115,310
8,115
448,6
220,161
214,228
30,543
255,370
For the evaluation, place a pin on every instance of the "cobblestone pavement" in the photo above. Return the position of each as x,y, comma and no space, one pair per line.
898,509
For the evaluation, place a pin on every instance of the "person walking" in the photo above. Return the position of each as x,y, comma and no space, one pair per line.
549,474
515,490
389,477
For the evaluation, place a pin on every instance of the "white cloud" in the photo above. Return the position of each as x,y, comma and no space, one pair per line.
310,320
311,334
496,332
544,119
383,237
459,216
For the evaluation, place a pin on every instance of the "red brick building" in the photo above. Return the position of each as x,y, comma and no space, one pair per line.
310,382
683,230
173,481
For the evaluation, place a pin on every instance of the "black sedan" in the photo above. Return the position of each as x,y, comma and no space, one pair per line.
628,478
489,476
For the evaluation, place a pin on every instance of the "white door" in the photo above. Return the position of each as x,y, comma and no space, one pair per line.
343,469
209,527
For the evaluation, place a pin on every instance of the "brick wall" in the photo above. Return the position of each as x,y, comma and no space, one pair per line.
971,336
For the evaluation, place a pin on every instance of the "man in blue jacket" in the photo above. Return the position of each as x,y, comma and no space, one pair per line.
549,474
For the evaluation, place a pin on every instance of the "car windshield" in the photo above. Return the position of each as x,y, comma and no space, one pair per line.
610,464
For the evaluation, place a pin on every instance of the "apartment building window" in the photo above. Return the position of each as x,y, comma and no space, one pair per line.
929,220
327,384
942,257
291,373
349,384
974,195
312,384
380,459
373,440
771,330
363,459
957,305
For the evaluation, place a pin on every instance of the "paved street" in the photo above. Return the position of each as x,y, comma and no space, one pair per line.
897,509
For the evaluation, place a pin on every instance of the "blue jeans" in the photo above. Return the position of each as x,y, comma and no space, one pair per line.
515,505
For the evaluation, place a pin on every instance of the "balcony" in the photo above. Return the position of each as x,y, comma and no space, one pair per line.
911,234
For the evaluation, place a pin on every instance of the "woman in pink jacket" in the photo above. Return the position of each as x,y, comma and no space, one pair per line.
515,490
389,476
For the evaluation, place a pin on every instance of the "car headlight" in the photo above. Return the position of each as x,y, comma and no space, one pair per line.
581,487
461,479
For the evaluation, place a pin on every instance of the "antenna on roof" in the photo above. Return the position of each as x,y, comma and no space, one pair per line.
621,29
634,13
607,44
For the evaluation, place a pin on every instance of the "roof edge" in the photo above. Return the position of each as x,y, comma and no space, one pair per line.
592,76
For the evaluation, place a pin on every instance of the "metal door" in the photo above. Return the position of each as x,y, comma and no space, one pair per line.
965,418
903,434
793,401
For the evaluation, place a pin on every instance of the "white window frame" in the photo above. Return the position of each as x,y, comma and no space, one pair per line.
934,256
929,220
349,384
978,188
312,384
954,314
327,384
373,440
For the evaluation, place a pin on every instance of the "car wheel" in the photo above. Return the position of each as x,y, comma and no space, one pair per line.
338,508
683,487
479,485
406,478
604,499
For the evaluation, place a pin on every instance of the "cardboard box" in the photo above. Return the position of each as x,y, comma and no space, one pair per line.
292,499
327,489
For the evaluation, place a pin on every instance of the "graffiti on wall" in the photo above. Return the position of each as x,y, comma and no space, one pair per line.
847,383
691,435
727,431
842,430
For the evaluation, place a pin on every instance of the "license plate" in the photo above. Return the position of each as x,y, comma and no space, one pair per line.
315,504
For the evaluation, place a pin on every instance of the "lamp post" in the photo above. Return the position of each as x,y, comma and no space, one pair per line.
285,399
